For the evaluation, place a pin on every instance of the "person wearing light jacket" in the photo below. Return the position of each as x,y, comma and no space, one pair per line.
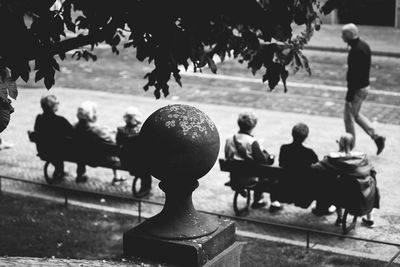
243,146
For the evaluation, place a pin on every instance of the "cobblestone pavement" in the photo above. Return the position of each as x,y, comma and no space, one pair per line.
274,127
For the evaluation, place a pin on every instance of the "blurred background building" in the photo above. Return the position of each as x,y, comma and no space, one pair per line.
366,12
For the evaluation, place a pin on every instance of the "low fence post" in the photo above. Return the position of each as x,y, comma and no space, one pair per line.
308,240
393,259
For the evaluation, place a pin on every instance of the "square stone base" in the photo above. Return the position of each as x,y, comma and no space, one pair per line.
191,252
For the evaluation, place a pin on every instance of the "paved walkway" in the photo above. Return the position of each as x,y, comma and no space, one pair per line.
381,39
274,127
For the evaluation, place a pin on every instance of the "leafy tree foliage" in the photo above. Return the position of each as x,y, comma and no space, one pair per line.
168,34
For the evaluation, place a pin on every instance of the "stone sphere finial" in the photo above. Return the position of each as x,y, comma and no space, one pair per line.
181,143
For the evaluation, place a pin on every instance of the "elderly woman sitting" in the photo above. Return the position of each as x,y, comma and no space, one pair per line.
94,138
243,146
51,130
354,186
128,140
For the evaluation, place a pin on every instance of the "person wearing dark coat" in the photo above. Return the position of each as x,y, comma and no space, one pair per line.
128,140
355,187
296,159
51,130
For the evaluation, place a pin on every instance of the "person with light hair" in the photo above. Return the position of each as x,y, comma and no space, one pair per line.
51,129
359,65
243,146
128,140
94,139
350,181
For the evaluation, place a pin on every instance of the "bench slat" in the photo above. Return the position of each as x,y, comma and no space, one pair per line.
251,168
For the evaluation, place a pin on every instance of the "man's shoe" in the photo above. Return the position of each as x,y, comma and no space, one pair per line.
81,179
274,208
4,145
117,180
258,204
368,223
318,212
331,209
338,222
58,177
380,143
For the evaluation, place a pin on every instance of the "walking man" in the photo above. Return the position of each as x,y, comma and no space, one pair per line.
359,64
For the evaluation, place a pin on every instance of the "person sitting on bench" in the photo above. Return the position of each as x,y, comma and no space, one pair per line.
297,159
355,178
94,138
243,146
127,139
50,130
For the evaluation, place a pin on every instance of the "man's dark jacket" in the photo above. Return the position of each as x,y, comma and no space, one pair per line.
359,64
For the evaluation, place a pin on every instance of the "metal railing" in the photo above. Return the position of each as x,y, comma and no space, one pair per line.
69,190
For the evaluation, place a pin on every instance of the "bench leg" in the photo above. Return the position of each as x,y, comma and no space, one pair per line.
139,191
48,174
239,198
347,228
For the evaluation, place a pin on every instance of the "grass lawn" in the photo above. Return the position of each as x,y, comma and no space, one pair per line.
38,228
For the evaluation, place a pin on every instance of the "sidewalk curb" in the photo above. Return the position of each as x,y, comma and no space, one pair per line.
344,50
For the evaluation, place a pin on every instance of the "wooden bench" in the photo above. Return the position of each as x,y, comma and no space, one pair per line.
72,156
272,175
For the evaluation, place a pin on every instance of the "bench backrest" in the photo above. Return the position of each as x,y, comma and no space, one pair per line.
75,152
251,168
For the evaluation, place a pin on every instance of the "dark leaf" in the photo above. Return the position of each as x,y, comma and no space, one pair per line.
284,76
305,64
329,6
49,79
93,56
39,75
25,69
211,65
115,50
185,65
273,74
157,93
15,74
177,77
77,54
128,44
85,55
55,65
165,89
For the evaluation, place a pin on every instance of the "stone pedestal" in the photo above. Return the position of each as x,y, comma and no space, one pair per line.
216,248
